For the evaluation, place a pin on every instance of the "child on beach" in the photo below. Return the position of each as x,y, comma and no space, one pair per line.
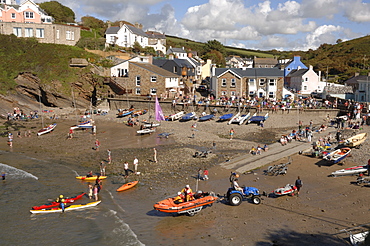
205,174
90,191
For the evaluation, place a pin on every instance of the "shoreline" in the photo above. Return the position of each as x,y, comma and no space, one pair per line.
223,224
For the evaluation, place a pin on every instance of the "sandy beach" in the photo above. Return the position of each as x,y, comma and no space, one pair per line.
325,206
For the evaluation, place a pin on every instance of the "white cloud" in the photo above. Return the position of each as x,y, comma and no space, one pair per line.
323,34
357,11
320,8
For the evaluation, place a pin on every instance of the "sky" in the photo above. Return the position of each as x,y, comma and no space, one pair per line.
250,24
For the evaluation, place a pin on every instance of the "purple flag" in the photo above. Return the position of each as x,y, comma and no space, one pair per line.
158,111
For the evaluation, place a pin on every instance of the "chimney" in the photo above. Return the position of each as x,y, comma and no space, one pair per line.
282,67
109,24
319,75
170,57
120,23
311,67
150,59
190,55
357,74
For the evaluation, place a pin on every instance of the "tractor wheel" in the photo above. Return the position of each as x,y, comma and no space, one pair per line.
235,199
256,200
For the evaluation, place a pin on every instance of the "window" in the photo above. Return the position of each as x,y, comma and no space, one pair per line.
233,93
271,94
223,82
137,91
40,33
17,31
112,38
72,35
153,78
135,38
306,79
58,34
262,82
223,93
28,15
138,79
305,87
153,91
68,35
233,83
272,82
251,93
174,69
28,32
13,15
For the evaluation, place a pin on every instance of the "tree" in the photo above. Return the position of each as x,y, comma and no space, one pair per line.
137,48
92,22
59,12
215,45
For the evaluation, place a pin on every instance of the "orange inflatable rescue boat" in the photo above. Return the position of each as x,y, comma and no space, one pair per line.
201,199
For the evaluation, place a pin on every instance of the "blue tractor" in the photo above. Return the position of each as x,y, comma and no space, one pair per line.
235,197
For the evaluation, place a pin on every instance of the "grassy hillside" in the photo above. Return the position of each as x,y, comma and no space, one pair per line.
199,47
48,61
341,60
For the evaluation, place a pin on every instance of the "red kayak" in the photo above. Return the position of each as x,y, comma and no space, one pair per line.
54,204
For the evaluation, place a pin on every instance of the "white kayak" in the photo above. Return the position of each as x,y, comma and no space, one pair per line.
350,171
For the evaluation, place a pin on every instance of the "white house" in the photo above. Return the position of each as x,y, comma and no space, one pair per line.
304,81
363,92
126,35
121,68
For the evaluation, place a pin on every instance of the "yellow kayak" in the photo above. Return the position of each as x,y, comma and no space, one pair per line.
59,210
93,178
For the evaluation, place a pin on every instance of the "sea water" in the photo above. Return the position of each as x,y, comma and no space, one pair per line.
30,182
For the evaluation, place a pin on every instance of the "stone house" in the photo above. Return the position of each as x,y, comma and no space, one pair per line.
250,82
143,79
52,33
264,62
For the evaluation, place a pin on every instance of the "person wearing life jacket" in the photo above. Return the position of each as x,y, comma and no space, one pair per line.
180,198
188,193
90,174
59,199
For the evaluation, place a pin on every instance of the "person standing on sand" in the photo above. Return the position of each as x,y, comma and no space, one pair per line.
10,139
102,168
155,155
136,162
109,156
125,168
97,145
70,134
298,184
231,133
199,174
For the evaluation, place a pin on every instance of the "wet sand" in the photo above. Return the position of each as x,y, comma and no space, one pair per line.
324,206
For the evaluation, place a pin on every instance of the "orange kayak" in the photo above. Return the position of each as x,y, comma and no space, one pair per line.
190,207
127,186
93,178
